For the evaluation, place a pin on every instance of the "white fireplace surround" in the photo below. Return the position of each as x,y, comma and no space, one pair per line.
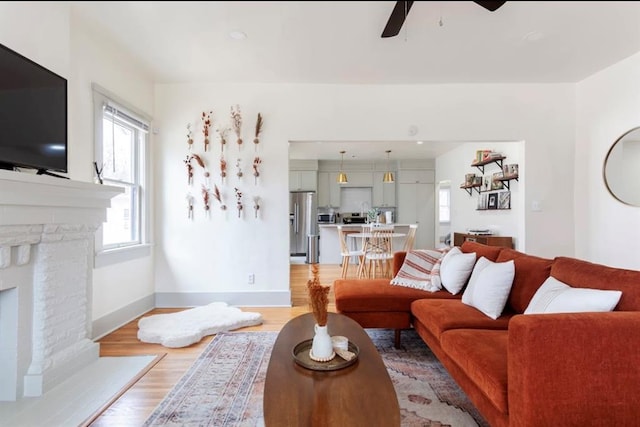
47,228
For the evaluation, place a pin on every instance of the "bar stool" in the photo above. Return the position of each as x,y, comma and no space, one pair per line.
347,253
411,237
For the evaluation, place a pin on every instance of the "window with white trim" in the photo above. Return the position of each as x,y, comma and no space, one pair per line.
444,200
121,157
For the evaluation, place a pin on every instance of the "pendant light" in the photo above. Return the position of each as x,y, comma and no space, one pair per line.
342,177
388,175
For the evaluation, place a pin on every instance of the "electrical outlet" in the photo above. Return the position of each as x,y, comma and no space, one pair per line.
252,279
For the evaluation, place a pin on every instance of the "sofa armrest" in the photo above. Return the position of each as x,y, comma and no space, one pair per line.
398,260
574,369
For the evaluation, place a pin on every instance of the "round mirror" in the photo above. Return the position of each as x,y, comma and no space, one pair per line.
622,168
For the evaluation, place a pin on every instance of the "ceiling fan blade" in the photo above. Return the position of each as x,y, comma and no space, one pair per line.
398,15
490,5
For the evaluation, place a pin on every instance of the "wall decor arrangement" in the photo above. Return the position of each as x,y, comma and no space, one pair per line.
196,162
206,124
256,139
218,197
491,187
256,172
236,123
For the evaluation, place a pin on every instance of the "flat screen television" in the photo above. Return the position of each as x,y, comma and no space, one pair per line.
33,115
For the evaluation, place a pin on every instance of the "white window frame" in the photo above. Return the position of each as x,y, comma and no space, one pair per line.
108,255
447,206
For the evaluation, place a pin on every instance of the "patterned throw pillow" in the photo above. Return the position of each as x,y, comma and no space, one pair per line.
416,271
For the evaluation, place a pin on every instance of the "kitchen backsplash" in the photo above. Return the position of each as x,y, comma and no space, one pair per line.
355,199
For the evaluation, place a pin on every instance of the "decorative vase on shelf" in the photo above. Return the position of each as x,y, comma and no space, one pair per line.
322,347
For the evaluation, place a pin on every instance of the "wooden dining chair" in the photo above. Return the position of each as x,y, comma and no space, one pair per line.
379,252
348,253
411,237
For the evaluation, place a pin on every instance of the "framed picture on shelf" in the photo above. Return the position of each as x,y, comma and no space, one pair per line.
504,200
492,202
486,183
495,184
482,202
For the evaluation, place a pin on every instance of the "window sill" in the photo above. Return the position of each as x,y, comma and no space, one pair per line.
118,255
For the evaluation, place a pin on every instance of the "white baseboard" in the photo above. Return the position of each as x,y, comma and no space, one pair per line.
237,299
112,321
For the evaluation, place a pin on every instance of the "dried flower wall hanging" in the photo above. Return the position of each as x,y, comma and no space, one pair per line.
256,173
189,136
201,163
187,162
223,168
239,173
256,205
205,199
256,139
236,124
238,201
206,124
189,206
218,197
222,134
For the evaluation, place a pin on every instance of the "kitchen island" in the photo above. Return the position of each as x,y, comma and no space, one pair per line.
329,250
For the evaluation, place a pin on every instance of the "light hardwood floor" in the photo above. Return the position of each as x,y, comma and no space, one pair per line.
137,403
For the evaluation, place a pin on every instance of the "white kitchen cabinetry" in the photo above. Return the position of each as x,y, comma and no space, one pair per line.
359,179
384,193
303,181
416,204
328,189
424,176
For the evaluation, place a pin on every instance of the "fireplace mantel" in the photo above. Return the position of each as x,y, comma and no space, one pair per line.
47,228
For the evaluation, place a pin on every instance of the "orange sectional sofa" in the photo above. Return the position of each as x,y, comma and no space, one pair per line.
570,369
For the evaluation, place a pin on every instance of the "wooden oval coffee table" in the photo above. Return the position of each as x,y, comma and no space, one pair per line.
359,395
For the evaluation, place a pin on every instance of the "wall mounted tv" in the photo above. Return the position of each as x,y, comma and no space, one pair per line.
33,115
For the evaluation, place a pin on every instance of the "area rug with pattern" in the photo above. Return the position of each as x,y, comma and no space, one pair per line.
225,385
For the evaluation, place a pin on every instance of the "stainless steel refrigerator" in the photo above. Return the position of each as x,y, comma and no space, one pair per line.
303,224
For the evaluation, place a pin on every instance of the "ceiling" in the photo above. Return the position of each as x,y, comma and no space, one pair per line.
339,41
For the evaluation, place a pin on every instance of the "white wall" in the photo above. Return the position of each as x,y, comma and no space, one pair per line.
453,166
39,31
217,254
94,59
608,105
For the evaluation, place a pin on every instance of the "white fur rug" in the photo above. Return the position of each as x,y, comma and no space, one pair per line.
189,326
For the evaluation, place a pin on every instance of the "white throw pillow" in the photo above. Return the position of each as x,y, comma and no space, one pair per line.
455,269
555,296
489,286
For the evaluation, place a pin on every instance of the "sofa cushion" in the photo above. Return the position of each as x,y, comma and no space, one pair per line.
482,355
557,297
531,272
442,315
455,269
489,286
363,295
489,252
583,274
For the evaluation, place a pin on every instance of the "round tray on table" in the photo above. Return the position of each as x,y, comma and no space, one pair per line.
302,358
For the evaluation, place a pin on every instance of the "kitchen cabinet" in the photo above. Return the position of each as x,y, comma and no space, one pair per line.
359,179
425,176
328,189
303,181
416,205
384,193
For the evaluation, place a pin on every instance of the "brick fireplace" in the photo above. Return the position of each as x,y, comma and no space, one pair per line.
47,229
